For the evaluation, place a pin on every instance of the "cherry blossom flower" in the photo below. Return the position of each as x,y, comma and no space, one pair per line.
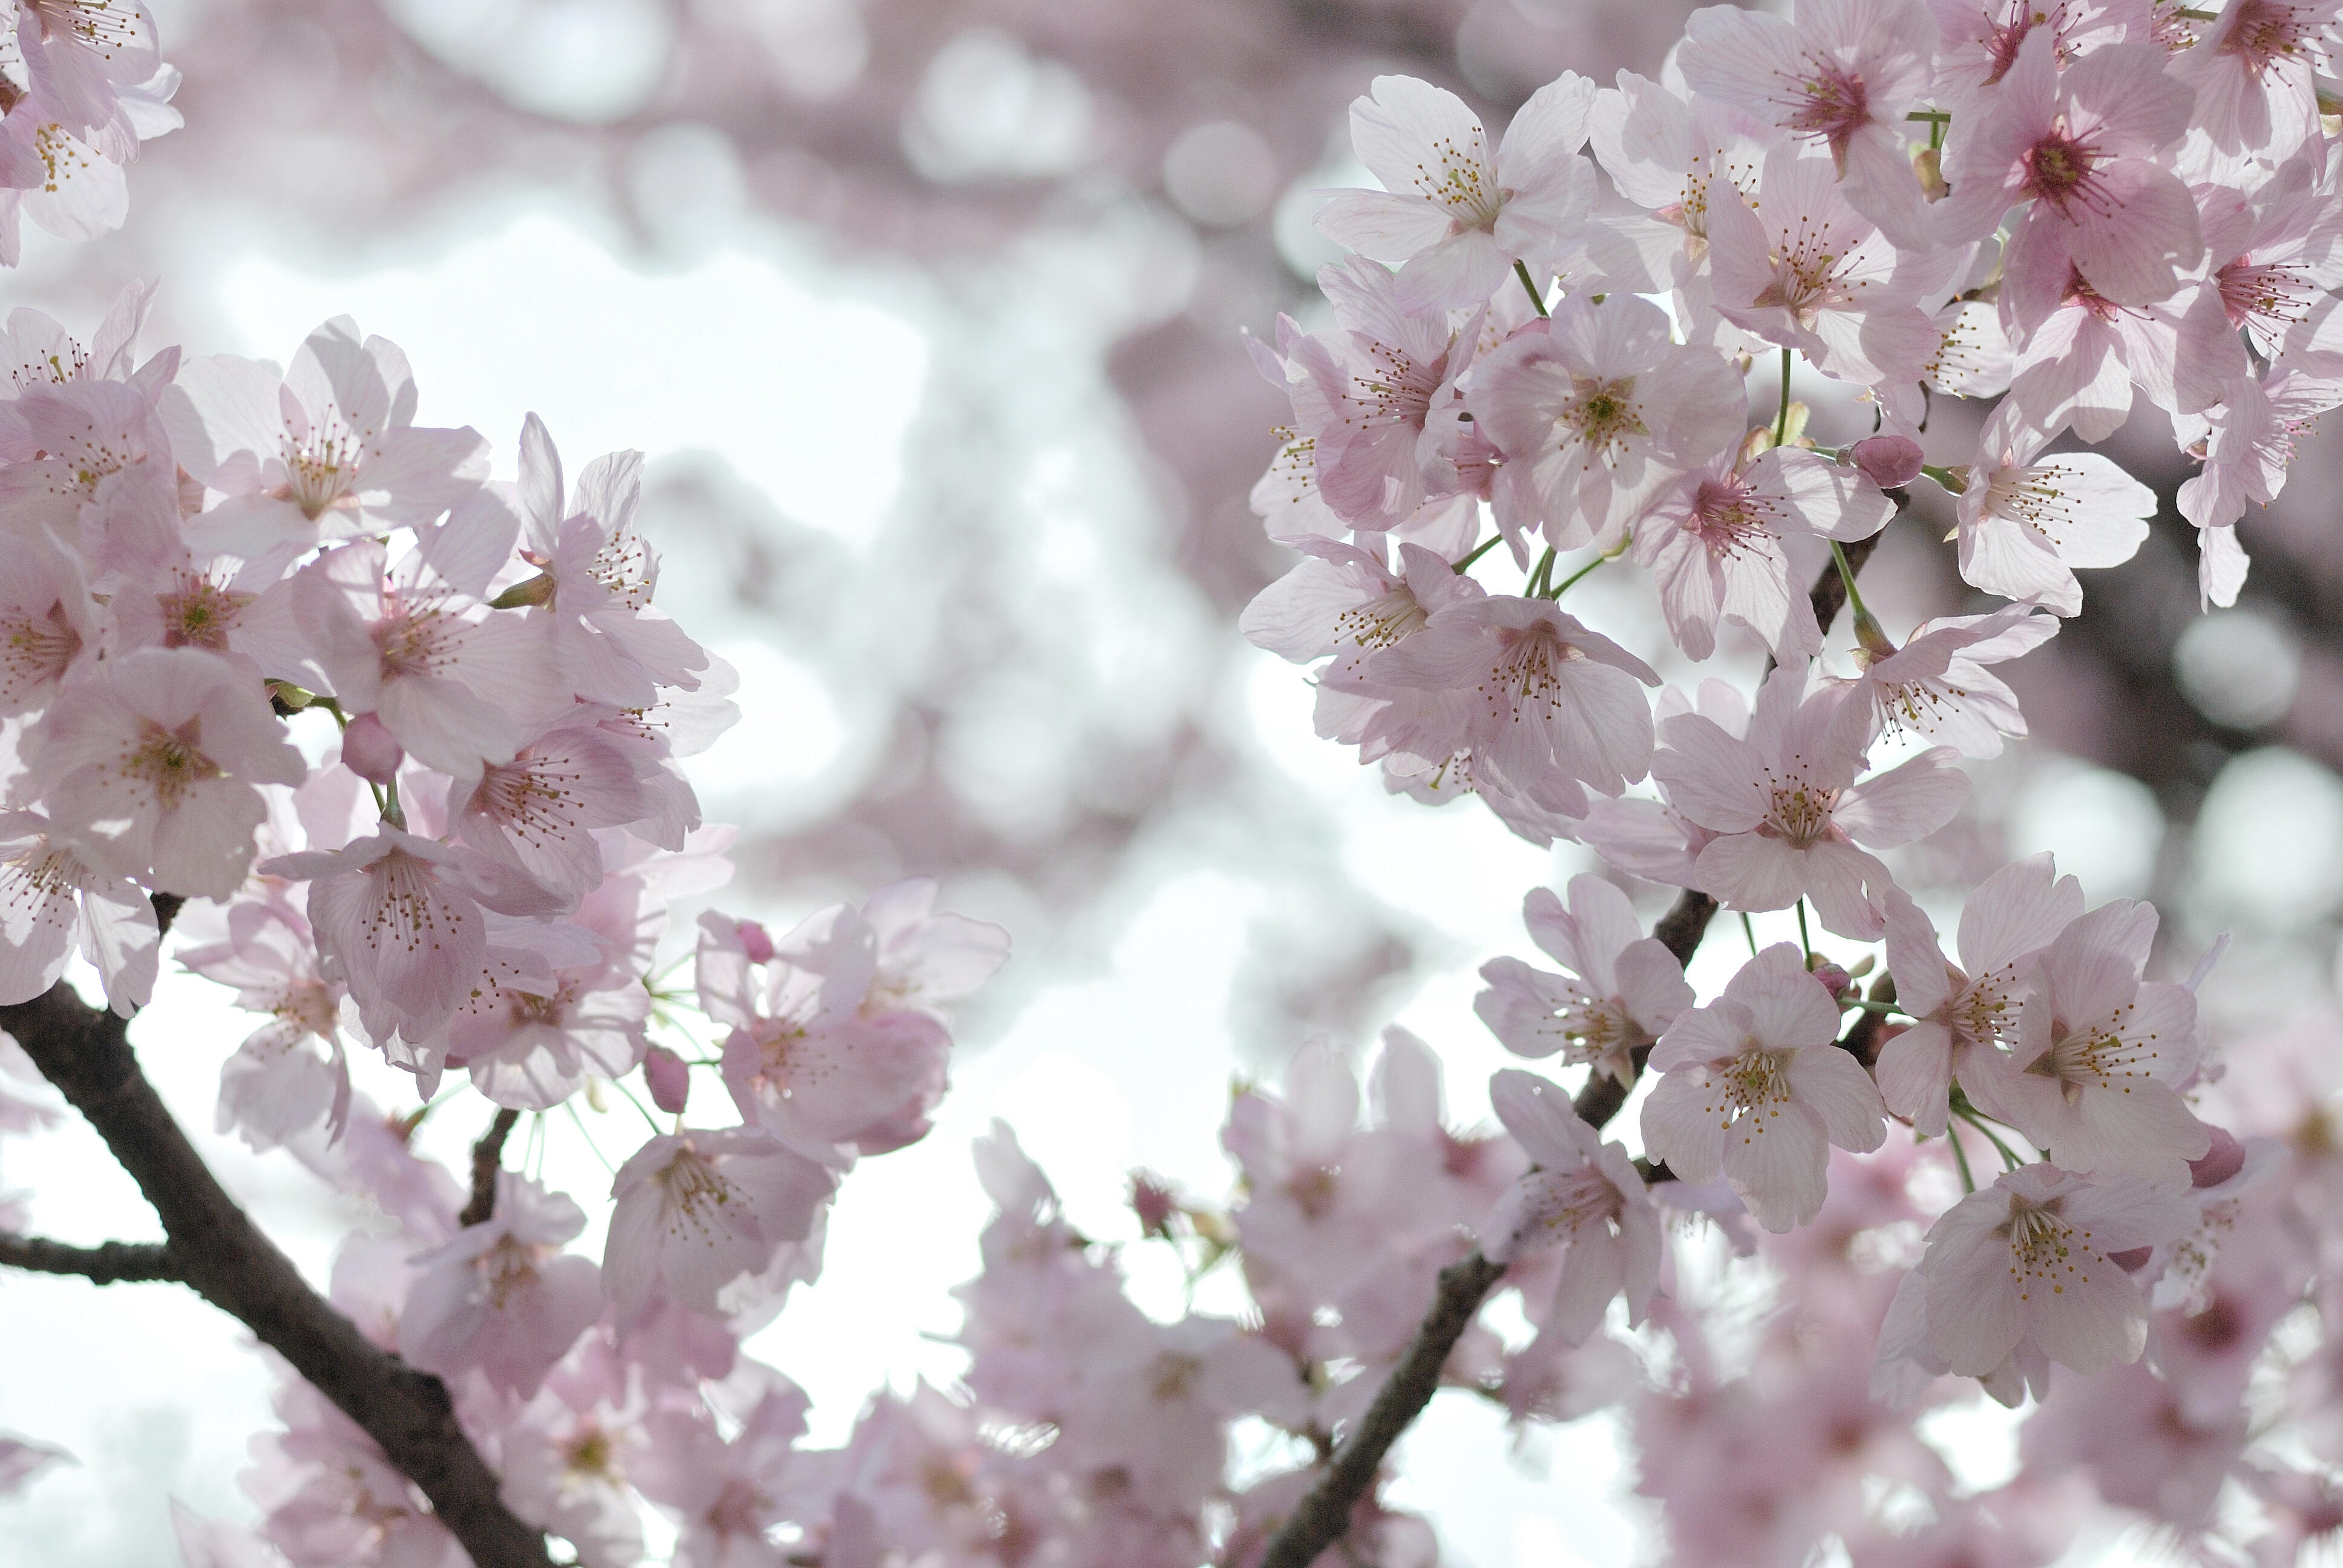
2255,70
1788,810
2083,362
927,958
54,903
1368,391
502,1297
1603,411
1715,544
701,1210
458,683
148,766
539,1024
22,1459
725,1496
2018,1275
1456,218
1937,687
326,450
1839,77
399,920
2248,444
1757,1089
1806,270
2027,521
276,1085
2093,1073
1962,1010
538,810
592,598
1584,1198
1620,989
567,1459
47,627
2078,146
2275,254
1551,704
89,460
79,54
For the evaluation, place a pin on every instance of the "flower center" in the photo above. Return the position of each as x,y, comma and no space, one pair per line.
1832,104
35,647
170,761
2059,169
1603,415
1458,177
2272,294
200,614
2268,31
2044,1249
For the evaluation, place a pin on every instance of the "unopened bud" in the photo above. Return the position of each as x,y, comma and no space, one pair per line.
1929,165
758,941
536,591
287,698
2224,1159
2131,1260
1887,461
371,751
1873,636
1836,979
668,1079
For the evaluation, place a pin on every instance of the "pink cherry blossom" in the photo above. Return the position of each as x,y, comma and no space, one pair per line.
54,903
2078,146
1757,1089
277,1084
1836,76
1936,686
46,629
1715,543
538,810
539,1024
502,1297
1620,990
725,1496
2275,254
1584,1198
2093,1073
2018,1275
148,766
2255,70
1536,696
22,1459
1963,1010
1457,217
701,1210
1602,412
1789,811
2248,443
327,450
2027,520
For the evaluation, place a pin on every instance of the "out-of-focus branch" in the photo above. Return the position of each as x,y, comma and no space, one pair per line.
215,1248
1321,1516
108,1263
488,1159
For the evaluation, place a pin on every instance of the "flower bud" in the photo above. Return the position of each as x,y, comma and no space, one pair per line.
2131,1260
370,750
2224,1159
1155,1204
1834,978
758,941
669,1079
1887,461
1929,165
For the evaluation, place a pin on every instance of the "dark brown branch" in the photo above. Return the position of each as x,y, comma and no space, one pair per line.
217,1250
1324,1515
108,1263
488,1159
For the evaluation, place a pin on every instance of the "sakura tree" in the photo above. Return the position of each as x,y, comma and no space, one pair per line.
383,732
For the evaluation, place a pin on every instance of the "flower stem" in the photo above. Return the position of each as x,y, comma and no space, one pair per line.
1806,941
1847,576
1749,933
1782,419
1961,1158
1522,271
1542,575
1482,548
1557,592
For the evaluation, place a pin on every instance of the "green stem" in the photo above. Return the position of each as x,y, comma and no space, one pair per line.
1847,576
1482,548
1556,592
1782,419
1953,484
1749,933
2009,1159
1541,577
1804,940
639,1105
1940,116
1522,271
1961,1158
1867,1005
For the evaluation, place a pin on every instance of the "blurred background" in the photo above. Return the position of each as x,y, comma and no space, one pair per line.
929,315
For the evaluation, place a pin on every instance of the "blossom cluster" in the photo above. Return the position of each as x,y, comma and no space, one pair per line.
82,83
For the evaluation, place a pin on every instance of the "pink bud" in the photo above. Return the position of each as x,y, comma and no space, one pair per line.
758,941
2224,1159
1836,979
370,750
1887,461
1155,1204
2131,1260
668,1078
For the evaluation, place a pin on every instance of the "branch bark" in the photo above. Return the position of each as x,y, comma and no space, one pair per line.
1324,1515
215,1248
488,1159
108,1263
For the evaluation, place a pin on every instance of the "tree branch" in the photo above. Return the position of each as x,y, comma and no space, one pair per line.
488,1159
108,1263
217,1250
1323,1516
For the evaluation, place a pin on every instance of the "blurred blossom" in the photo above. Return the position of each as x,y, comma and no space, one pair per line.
987,107
2240,666
2106,829
1220,173
591,61
2269,848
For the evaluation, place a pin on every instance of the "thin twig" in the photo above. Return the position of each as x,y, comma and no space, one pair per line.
488,1159
108,1263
